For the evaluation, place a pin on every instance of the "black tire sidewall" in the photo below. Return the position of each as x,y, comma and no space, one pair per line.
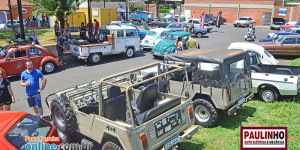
275,93
212,110
132,52
63,128
110,144
90,59
44,65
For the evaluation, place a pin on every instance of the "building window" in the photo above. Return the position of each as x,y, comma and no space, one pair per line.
24,10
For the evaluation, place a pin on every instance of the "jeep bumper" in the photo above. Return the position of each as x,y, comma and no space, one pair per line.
188,133
238,105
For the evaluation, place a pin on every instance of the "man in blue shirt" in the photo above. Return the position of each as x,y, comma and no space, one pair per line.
30,80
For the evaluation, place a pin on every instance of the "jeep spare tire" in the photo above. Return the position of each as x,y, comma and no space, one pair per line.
63,116
205,113
102,37
109,145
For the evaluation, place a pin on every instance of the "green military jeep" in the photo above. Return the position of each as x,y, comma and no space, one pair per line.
219,79
122,113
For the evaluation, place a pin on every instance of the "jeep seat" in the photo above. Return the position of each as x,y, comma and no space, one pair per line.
147,97
113,91
115,108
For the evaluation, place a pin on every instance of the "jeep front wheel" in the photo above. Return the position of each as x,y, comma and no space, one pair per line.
111,146
63,116
205,113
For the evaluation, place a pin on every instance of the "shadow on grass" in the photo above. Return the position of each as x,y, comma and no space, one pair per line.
233,122
189,145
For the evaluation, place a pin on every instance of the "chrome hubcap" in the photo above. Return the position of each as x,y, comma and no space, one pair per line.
129,52
202,113
96,58
49,67
268,96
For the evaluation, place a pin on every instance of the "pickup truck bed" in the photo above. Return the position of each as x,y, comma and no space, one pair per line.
275,79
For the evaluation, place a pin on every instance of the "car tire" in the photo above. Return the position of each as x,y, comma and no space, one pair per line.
109,145
95,58
65,138
206,114
48,67
102,37
268,94
199,34
129,52
63,116
234,25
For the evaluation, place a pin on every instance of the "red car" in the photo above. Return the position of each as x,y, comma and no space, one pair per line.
12,60
16,126
287,26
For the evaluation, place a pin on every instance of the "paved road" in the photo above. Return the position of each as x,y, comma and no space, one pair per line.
78,72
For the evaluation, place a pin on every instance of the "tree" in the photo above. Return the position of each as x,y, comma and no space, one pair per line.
60,8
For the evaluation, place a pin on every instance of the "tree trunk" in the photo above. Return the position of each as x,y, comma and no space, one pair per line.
61,18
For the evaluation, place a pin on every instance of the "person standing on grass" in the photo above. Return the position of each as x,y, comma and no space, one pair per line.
60,47
97,24
56,29
6,94
30,79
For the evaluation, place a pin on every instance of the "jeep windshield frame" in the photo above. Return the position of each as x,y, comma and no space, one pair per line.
212,57
128,88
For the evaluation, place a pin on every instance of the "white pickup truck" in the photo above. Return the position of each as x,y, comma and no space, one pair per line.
121,39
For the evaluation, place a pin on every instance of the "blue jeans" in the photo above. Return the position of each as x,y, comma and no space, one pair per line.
34,100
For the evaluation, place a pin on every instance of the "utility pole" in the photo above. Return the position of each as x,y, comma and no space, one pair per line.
104,3
90,19
21,18
127,12
11,17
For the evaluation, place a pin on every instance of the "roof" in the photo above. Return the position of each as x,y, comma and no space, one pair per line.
214,56
6,117
116,27
160,29
286,33
245,46
4,4
180,33
101,4
294,36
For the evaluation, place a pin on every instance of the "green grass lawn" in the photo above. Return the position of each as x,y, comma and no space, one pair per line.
295,62
46,36
226,134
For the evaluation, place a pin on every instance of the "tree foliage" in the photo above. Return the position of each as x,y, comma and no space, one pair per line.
60,8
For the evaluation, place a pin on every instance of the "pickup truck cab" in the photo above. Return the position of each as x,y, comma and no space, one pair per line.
255,52
120,39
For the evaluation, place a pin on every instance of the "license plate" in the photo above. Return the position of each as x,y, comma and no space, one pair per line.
241,100
173,141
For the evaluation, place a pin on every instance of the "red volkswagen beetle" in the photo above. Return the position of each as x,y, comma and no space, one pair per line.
12,59
15,127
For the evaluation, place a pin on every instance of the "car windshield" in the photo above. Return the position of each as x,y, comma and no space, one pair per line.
274,36
152,33
30,126
267,53
236,69
243,19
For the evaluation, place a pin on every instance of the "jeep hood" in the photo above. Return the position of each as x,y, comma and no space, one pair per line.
163,45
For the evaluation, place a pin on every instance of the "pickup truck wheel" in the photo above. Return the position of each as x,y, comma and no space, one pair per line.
205,113
63,116
111,146
48,67
199,34
94,58
268,95
129,52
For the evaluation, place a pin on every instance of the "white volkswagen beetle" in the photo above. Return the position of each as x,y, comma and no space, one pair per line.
153,37
263,55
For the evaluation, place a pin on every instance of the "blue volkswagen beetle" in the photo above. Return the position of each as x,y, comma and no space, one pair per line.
168,45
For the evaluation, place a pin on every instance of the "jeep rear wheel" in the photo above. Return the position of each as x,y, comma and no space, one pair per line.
63,116
111,146
268,95
205,113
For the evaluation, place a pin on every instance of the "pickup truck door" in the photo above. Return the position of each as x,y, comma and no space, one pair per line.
119,41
